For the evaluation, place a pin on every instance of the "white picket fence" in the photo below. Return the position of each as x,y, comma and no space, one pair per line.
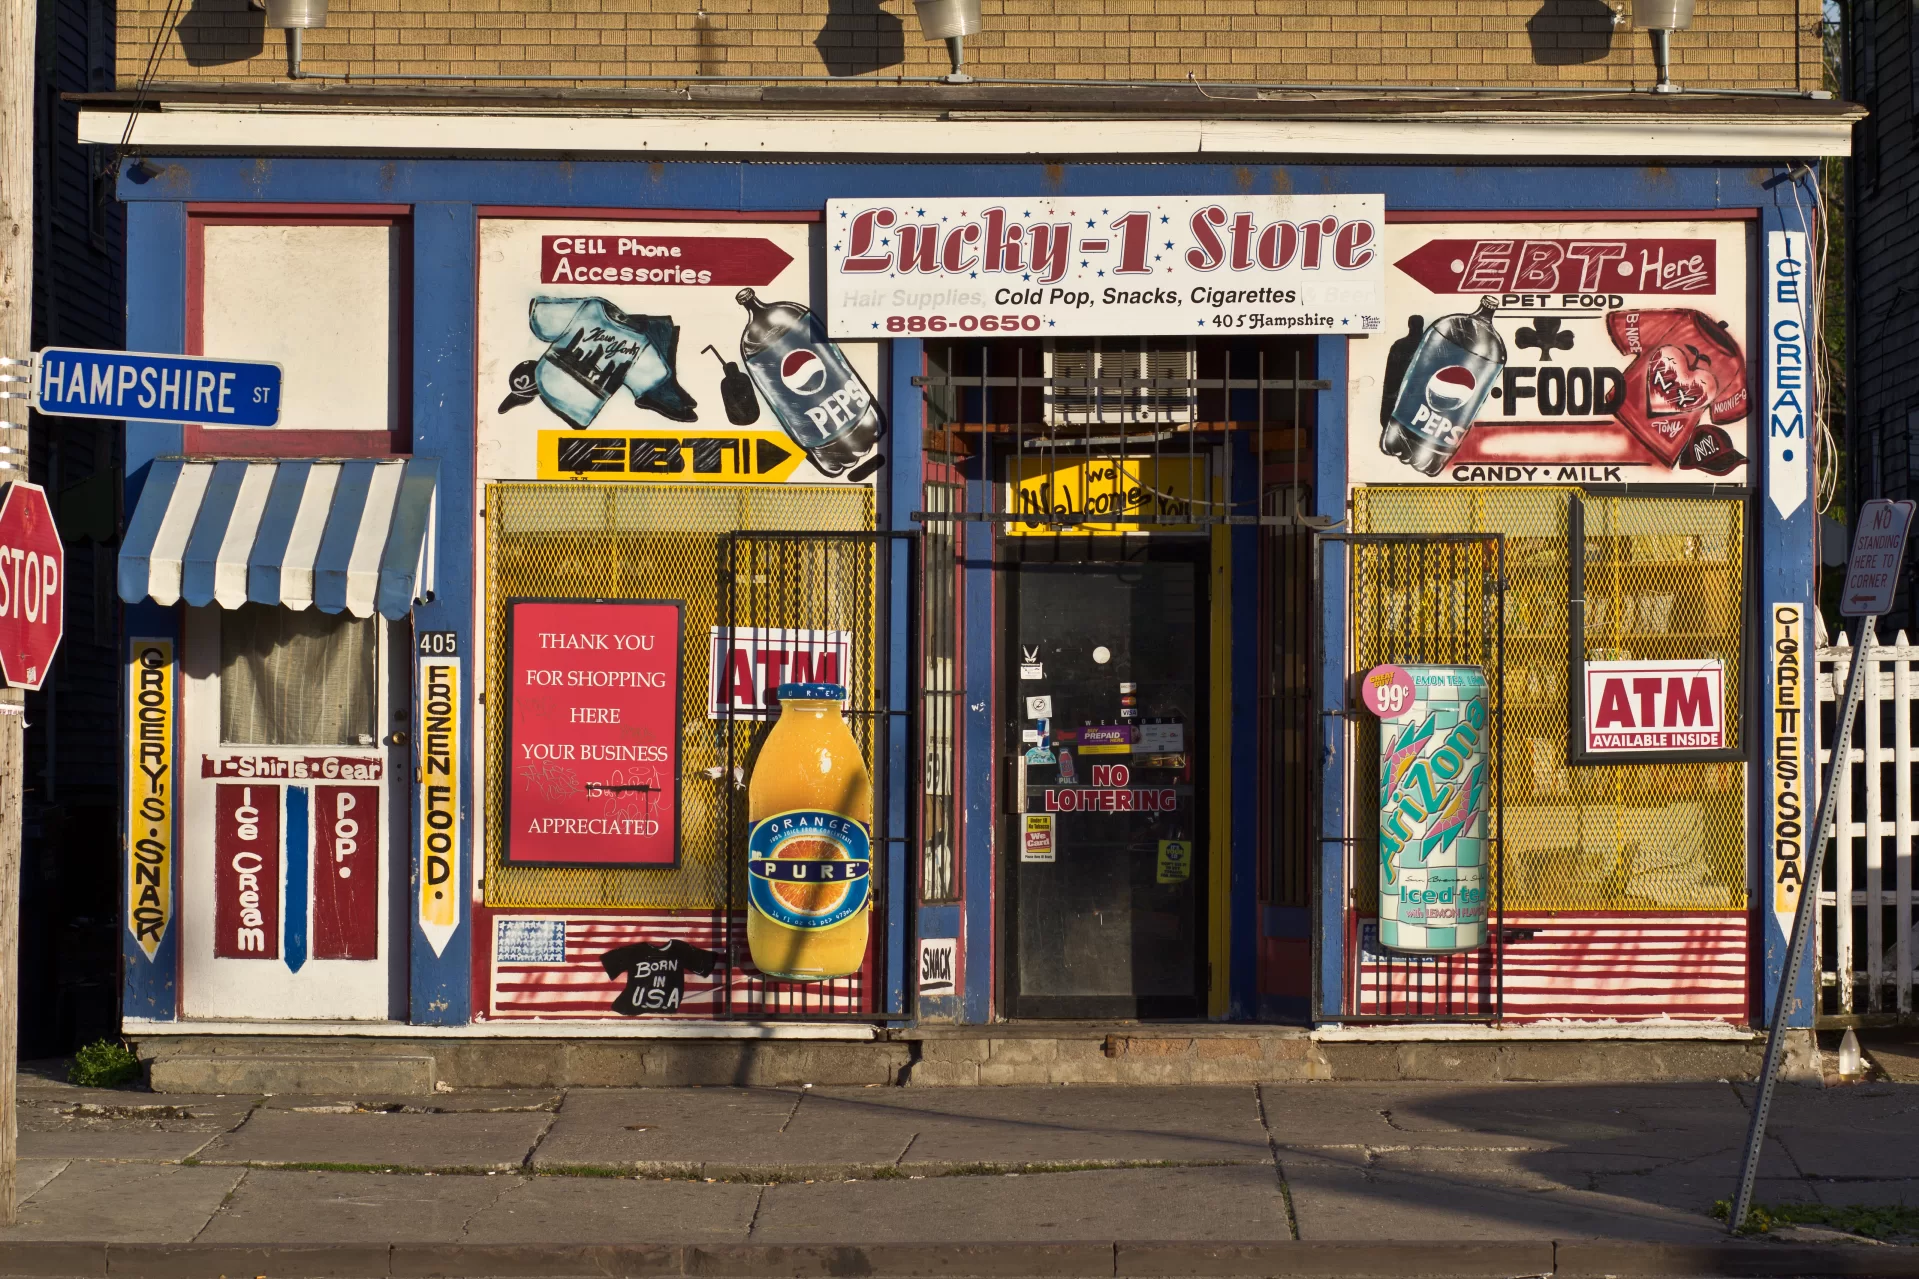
1865,943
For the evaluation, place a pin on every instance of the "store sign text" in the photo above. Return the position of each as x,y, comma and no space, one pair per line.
151,793
1655,706
1109,793
439,799
1788,762
297,767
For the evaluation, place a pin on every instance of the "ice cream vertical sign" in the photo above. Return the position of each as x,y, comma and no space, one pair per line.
1434,798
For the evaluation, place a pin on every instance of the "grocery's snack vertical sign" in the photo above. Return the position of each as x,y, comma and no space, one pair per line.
150,792
438,875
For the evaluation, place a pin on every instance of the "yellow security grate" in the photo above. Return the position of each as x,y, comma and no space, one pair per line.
1664,579
639,541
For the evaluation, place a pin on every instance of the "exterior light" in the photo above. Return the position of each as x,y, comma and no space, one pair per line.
948,20
295,17
1661,18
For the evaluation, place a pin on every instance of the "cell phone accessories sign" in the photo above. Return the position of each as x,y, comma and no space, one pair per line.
1655,705
1105,265
593,732
666,353
1556,353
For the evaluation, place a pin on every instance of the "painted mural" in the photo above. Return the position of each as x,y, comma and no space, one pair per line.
1556,353
667,352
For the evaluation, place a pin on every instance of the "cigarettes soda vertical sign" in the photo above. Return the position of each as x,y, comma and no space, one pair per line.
150,793
1788,760
438,876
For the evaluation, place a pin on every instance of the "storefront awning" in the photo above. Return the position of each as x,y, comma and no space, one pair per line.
341,536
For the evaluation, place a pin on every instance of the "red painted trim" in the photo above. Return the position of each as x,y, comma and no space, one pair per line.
648,215
231,441
275,213
1572,215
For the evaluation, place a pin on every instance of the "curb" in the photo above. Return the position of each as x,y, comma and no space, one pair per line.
1321,1259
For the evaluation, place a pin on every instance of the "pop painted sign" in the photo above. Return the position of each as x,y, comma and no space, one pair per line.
747,664
439,788
1434,796
1789,761
593,732
1104,265
666,353
1653,705
1556,353
150,792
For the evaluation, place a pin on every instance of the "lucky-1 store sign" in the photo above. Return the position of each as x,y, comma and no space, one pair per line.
1106,265
593,732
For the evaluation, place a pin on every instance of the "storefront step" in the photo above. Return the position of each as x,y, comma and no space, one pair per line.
317,1073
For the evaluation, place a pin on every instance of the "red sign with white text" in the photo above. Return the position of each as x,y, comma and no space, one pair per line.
747,664
593,732
1655,706
33,569
346,872
660,259
246,872
1582,265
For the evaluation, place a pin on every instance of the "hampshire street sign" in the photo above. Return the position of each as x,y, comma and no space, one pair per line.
73,382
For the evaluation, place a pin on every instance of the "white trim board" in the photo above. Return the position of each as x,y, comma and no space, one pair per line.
138,1026
263,129
1536,1033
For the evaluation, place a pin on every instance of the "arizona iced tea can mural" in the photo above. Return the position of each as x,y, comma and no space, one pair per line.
1434,796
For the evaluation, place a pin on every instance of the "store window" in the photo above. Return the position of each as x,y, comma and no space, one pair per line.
1664,579
291,678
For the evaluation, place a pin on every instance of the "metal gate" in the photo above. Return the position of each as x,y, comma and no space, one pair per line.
1412,598
827,597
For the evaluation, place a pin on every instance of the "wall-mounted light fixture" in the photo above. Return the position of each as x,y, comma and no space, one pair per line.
295,17
951,21
1661,18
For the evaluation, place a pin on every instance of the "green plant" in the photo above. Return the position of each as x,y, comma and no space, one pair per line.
1886,1221
104,1063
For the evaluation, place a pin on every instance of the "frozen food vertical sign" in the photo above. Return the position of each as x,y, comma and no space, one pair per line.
1434,796
438,875
1788,370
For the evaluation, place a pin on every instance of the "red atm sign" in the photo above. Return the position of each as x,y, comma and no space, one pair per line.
1655,706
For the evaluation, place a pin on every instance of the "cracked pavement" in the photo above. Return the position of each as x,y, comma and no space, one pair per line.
1272,1162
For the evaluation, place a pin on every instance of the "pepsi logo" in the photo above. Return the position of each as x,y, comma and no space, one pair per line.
803,372
1451,387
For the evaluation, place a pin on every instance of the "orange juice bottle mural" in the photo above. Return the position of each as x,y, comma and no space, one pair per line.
809,858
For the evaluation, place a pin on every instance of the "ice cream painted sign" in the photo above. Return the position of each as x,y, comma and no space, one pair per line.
1556,353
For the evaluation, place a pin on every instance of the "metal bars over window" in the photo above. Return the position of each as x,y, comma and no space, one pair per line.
1121,434
1420,599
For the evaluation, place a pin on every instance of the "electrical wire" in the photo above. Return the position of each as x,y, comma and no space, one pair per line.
167,23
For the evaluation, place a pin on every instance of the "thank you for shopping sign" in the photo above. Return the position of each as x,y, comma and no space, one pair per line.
1106,266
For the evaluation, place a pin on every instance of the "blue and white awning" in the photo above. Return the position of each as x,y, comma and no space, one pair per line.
350,537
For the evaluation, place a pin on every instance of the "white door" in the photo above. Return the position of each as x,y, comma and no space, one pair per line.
294,835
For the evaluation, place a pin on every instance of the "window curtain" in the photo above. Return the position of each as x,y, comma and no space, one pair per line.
296,678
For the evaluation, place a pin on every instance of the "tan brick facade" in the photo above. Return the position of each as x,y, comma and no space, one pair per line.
1733,43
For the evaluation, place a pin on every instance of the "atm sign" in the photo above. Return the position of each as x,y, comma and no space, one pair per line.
1655,706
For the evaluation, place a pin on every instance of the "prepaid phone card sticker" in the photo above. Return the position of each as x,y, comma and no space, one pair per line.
1557,353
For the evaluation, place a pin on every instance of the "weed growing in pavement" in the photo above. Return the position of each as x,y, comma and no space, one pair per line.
1891,1222
104,1063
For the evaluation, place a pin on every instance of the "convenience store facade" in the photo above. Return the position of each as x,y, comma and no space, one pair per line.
1101,571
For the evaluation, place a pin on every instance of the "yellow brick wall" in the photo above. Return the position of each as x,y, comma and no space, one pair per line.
1733,43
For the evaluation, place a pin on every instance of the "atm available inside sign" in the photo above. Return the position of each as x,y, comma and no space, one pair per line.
1655,706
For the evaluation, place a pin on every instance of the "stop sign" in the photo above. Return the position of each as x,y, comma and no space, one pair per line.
32,586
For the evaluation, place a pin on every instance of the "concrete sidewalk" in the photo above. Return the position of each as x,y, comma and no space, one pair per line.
1420,1178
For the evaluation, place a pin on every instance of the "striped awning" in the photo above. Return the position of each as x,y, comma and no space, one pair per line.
350,536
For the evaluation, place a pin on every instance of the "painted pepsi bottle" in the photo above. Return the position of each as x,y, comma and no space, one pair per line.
1453,369
808,382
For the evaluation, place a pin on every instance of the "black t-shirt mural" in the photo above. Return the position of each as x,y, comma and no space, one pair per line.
655,975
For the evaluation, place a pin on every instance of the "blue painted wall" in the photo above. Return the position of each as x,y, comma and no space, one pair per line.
444,193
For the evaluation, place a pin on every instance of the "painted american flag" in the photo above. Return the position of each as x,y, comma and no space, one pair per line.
547,966
1621,966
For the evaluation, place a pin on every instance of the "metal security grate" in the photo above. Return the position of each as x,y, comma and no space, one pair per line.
641,541
1664,578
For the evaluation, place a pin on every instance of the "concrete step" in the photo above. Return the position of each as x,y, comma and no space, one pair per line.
402,1074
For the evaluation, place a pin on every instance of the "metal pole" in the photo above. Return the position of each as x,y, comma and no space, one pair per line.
1814,862
17,33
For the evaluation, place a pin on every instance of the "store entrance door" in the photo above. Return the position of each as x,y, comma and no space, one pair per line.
1105,655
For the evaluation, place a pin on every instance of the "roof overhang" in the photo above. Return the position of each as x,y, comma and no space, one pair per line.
843,124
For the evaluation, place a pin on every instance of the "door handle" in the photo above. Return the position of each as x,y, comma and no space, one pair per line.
397,737
1016,788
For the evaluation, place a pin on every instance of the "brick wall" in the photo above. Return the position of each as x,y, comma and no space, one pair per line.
1770,43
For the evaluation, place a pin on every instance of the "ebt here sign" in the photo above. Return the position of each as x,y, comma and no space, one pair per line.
593,732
